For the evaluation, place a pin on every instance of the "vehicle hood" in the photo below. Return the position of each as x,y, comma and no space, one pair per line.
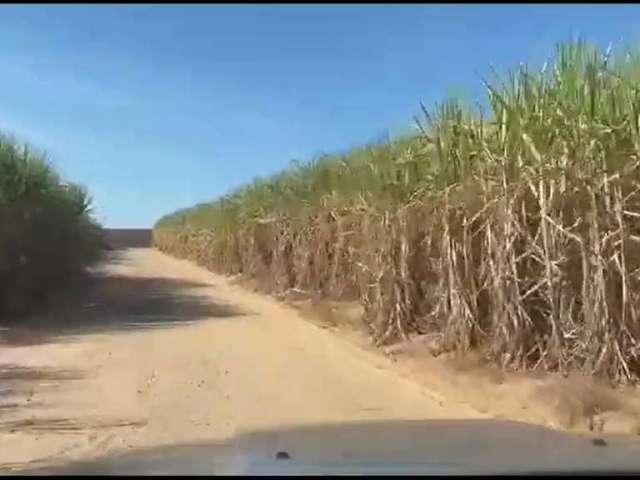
381,447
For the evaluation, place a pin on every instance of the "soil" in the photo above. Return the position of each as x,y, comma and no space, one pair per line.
152,350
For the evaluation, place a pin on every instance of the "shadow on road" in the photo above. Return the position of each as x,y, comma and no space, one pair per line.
115,257
109,303
23,409
18,385
11,372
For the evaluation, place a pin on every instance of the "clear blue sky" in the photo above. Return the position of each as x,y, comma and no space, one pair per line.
155,108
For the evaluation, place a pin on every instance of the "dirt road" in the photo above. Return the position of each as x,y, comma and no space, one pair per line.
155,351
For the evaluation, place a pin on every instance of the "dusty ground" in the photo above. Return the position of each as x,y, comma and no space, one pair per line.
575,402
156,351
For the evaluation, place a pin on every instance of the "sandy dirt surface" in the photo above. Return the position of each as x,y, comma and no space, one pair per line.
156,351
153,351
